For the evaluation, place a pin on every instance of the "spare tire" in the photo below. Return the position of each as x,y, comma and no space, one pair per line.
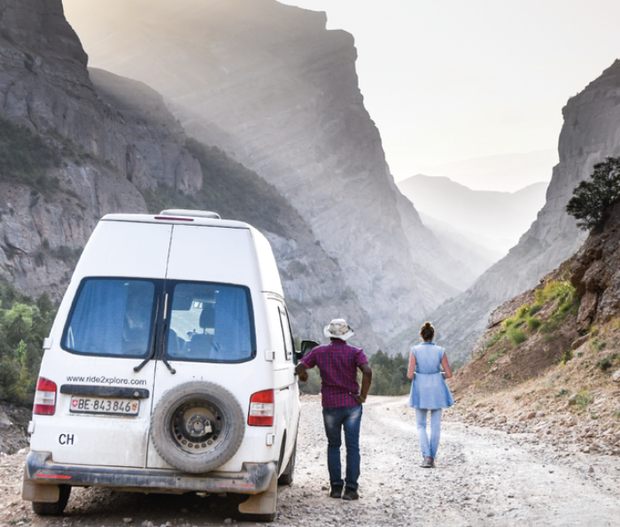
197,427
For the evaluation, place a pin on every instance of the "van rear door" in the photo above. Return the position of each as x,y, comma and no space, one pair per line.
104,405
209,334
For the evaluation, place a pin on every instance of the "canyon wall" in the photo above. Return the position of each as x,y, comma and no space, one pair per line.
268,84
116,143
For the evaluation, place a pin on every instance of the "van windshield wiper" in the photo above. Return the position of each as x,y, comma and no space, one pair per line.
172,370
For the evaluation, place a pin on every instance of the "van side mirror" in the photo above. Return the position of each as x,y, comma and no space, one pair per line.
306,347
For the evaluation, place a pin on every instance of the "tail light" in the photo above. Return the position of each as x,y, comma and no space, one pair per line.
45,397
261,409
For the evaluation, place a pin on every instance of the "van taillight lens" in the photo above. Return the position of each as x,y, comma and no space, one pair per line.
45,397
261,409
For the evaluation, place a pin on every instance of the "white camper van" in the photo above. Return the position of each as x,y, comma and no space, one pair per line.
169,367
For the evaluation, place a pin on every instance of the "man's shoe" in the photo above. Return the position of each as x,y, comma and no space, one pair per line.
336,491
350,494
427,463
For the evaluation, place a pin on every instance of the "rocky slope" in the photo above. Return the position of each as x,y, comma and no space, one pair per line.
548,363
589,135
270,85
116,143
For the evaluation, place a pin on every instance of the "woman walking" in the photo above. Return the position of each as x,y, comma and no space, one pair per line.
429,391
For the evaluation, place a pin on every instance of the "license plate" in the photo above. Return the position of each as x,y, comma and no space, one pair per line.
104,405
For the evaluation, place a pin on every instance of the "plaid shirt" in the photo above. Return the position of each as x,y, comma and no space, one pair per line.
338,363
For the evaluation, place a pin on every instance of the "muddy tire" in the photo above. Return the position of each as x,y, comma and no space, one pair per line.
55,508
197,426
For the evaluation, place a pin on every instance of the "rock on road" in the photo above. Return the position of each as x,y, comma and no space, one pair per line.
483,478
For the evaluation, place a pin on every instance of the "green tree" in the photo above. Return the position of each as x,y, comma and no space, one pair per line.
592,198
24,323
389,374
16,332
44,304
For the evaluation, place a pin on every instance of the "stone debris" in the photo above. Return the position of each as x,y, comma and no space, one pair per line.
484,474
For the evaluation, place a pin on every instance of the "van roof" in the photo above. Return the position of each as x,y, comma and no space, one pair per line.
179,216
267,267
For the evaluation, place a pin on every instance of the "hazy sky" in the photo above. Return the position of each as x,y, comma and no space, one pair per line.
453,80
450,80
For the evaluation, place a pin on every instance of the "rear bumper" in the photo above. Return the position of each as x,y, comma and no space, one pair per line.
252,479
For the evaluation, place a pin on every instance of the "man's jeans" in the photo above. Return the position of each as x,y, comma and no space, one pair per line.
349,419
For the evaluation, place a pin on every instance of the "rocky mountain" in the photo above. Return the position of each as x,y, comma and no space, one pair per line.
75,146
493,219
588,136
269,85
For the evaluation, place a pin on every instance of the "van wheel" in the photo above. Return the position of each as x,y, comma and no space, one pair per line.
286,478
197,426
54,508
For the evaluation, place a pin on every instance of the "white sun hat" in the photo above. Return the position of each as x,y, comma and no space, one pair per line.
338,329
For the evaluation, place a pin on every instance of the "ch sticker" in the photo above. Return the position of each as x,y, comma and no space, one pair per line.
67,439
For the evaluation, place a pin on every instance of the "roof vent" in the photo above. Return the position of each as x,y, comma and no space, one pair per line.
191,213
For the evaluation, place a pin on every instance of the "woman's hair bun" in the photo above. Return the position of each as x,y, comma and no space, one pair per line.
427,331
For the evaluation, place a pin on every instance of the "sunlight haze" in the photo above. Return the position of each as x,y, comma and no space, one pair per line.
455,81
452,81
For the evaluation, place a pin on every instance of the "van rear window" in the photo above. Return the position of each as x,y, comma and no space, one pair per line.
209,322
120,316
112,316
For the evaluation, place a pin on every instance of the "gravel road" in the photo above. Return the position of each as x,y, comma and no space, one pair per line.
483,478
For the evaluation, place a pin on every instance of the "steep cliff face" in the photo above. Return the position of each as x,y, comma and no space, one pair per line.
595,273
591,132
271,86
44,85
118,142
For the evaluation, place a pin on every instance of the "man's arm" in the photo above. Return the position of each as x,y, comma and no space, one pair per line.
302,372
366,381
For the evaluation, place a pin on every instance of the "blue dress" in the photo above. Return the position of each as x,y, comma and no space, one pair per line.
429,390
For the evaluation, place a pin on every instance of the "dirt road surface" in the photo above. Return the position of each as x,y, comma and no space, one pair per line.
483,478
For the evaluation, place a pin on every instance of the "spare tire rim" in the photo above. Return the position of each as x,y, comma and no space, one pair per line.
197,427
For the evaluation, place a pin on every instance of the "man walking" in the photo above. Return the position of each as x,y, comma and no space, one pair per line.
342,402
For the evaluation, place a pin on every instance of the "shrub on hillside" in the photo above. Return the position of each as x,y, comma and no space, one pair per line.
566,302
592,198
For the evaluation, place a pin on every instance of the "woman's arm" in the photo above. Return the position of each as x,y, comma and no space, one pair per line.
411,368
446,366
